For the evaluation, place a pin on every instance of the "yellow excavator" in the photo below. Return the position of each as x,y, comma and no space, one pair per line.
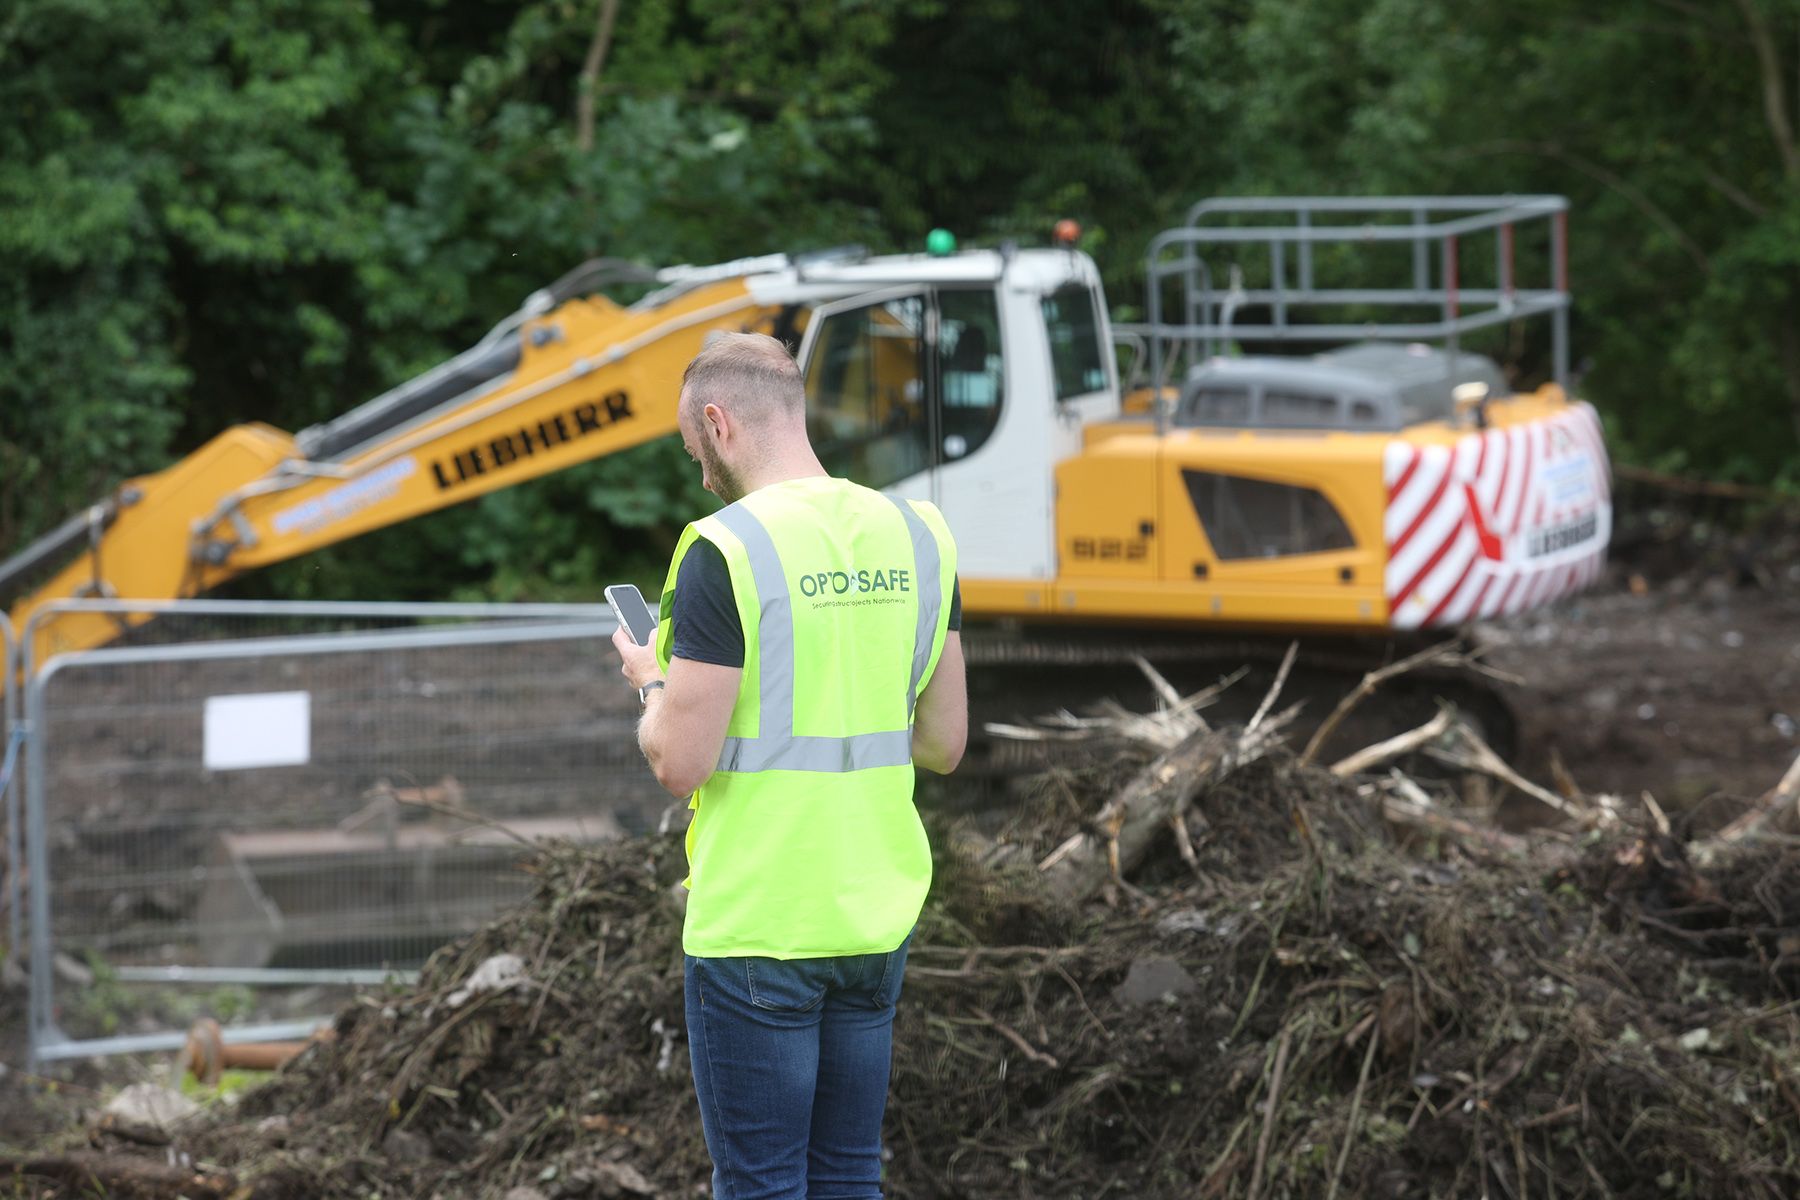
1377,484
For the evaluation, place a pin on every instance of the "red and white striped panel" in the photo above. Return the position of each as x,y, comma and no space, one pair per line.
1503,521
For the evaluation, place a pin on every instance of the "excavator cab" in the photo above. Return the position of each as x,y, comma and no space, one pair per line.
899,386
962,379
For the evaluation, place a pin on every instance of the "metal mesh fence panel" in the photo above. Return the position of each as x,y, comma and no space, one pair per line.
12,741
350,799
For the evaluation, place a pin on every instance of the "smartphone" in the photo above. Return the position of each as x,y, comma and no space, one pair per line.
628,605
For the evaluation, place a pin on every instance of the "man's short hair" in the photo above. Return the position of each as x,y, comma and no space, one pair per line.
750,375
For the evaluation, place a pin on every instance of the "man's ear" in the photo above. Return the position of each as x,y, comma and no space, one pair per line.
717,423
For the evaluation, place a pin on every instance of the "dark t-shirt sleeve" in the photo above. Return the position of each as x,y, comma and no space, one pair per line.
705,616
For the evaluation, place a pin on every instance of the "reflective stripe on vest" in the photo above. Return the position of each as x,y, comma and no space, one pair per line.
775,746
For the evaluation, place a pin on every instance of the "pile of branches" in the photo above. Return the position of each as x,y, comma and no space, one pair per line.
1370,990
1203,966
545,1049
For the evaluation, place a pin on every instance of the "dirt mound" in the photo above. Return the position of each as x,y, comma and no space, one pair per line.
1689,535
1309,1009
571,1064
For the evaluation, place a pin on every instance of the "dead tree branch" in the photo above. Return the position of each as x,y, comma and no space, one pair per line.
1774,90
1268,701
1693,487
1479,756
1394,747
1273,1105
1405,803
588,87
1779,808
1443,654
1629,192
1175,718
120,1175
1122,832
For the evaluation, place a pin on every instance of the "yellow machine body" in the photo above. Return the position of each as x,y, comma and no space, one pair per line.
1132,549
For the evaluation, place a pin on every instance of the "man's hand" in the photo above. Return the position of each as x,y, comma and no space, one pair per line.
684,725
637,663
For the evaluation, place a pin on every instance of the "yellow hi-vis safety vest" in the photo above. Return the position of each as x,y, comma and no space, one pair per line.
804,841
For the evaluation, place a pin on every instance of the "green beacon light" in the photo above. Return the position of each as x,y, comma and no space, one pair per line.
940,242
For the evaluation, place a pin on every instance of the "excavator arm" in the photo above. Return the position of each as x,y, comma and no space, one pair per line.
569,378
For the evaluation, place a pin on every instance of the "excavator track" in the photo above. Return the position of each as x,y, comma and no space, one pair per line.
1018,673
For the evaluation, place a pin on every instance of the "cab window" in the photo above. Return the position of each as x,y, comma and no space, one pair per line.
969,368
1075,350
866,392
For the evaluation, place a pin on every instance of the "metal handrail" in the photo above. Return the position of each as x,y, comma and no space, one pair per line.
1343,204
9,792
27,638
1435,225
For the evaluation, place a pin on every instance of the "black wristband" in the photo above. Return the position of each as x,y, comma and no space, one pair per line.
644,692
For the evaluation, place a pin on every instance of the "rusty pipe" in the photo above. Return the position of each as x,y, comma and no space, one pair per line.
208,1055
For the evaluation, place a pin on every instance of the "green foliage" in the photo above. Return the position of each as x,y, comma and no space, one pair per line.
232,1084
1652,119
273,210
175,178
104,1004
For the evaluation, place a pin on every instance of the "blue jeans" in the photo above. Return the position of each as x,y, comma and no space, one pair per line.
791,1067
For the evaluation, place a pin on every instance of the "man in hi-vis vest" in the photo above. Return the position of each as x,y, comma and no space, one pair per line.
807,658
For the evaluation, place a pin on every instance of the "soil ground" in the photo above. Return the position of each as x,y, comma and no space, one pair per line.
1690,690
1681,677
1312,1004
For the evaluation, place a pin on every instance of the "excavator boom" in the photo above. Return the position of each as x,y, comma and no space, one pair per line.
585,379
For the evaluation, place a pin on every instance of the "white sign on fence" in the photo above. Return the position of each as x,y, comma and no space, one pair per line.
266,729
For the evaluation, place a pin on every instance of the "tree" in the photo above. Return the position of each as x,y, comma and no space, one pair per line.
180,202
1667,125
276,209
